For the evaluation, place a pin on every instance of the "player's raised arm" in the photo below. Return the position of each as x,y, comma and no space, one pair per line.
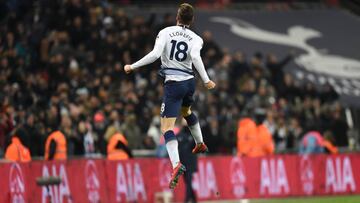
199,65
151,56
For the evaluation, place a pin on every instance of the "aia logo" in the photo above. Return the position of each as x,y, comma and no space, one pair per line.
237,177
306,175
130,186
204,182
339,175
273,178
16,184
56,193
164,173
92,182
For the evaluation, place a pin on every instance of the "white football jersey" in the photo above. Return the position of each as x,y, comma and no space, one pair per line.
179,42
179,48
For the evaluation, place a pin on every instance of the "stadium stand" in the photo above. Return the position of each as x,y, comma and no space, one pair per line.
61,69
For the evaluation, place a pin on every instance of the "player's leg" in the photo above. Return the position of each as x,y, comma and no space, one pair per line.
195,129
193,123
167,129
171,143
192,120
173,94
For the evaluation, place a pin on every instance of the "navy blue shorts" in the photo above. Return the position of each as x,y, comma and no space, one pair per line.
177,95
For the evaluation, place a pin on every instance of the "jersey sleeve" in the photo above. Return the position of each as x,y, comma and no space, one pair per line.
197,61
154,54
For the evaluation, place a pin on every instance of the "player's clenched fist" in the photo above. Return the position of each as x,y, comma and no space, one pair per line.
127,69
210,85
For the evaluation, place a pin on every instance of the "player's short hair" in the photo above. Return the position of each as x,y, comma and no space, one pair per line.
185,14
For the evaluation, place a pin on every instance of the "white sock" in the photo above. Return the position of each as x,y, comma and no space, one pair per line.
196,133
173,151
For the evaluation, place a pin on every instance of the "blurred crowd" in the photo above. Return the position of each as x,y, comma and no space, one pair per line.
61,69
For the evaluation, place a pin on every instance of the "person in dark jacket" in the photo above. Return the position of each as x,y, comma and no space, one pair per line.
339,128
276,69
186,144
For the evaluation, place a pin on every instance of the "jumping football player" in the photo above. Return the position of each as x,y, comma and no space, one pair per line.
179,48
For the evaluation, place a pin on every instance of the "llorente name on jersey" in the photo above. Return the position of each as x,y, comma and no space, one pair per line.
175,34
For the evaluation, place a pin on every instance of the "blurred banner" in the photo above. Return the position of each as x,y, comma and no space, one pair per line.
217,178
326,43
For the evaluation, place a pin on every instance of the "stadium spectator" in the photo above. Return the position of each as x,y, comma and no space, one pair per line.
117,148
99,131
6,126
329,143
55,146
35,140
16,151
295,134
254,140
246,134
276,69
210,51
281,135
339,128
312,143
154,132
262,144
132,132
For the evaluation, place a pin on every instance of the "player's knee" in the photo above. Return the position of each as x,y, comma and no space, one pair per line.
167,124
165,128
191,119
185,111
